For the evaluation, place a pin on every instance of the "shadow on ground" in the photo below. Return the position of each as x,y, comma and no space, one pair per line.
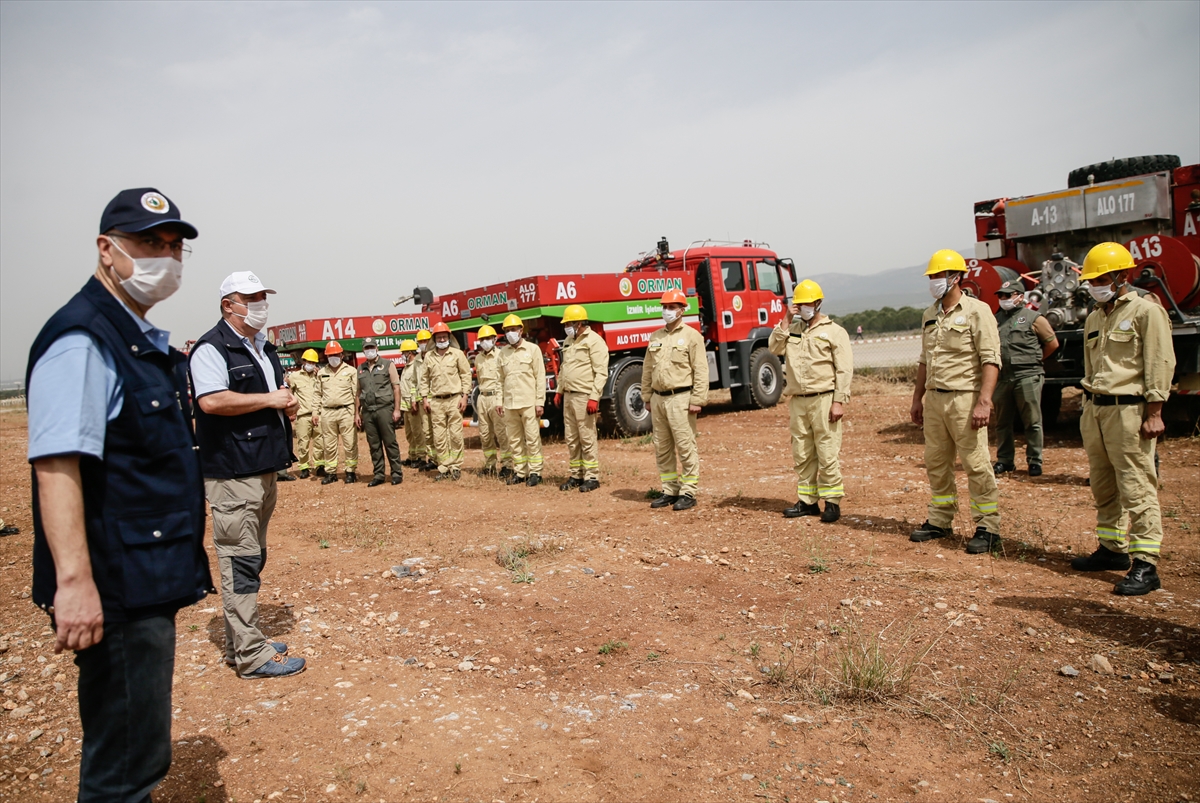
769,504
274,620
194,773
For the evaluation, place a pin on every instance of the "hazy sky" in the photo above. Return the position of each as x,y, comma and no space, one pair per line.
348,151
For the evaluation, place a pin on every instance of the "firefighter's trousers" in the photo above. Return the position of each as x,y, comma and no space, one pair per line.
1124,482
524,440
493,436
948,432
580,430
447,433
337,423
675,435
816,444
309,438
414,432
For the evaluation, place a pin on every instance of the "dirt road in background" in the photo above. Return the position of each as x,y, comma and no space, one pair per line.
625,654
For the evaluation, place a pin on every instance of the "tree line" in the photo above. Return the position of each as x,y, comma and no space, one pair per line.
878,321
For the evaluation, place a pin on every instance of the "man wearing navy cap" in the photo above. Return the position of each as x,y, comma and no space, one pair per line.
243,425
118,494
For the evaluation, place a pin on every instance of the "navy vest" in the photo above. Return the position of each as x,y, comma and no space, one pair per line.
143,504
253,443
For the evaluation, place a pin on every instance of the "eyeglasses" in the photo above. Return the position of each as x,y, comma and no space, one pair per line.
157,245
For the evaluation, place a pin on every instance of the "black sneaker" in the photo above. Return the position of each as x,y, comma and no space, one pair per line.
505,473
982,542
321,472
664,501
513,479
429,466
1142,579
1035,469
1003,468
397,479
329,478
589,485
534,480
375,482
283,476
833,512
570,484
801,509
1102,560
351,477
303,473
684,503
927,532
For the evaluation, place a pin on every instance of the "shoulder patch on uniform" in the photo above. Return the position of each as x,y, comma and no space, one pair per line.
960,320
822,335
655,345
1022,319
1125,326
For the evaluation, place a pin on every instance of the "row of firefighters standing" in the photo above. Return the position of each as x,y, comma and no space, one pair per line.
432,393
971,361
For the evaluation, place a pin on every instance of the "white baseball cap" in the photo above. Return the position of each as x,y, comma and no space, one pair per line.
244,282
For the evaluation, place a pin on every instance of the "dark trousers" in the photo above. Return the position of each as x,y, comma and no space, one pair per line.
1019,396
125,708
381,435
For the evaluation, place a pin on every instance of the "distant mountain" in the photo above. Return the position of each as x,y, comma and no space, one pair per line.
899,287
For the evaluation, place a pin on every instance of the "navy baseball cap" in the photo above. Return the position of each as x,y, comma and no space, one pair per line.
137,210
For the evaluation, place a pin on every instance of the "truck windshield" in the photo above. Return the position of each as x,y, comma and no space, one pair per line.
768,277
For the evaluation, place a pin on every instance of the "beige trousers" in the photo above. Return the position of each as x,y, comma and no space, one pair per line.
675,434
308,438
1124,482
816,444
580,431
337,423
447,434
414,433
241,509
493,436
948,432
524,440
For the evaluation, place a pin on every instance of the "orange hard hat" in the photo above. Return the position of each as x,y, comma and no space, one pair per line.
674,297
333,347
439,328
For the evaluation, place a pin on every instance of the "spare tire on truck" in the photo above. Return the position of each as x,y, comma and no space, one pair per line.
1114,169
625,414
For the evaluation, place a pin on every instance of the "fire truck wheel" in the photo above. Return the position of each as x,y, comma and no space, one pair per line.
1121,168
625,414
766,378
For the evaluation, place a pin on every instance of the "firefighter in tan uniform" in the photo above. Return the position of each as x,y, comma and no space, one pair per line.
523,383
428,457
304,386
675,387
493,437
952,401
819,364
1128,362
445,383
580,384
339,417
413,432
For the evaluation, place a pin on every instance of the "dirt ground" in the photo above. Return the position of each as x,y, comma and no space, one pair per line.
634,655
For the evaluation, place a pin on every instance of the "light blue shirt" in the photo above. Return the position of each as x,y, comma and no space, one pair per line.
75,390
210,374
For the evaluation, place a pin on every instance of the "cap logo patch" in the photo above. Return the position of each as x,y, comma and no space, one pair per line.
250,277
153,202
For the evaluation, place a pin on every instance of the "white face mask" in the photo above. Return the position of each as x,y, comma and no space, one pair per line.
1008,303
569,331
1103,293
153,280
513,337
256,314
487,344
442,345
669,316
938,288
309,367
422,346
370,354
334,362
807,312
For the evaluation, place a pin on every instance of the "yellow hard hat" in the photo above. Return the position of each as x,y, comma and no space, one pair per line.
424,334
511,320
575,312
485,331
1105,258
408,345
310,355
946,260
807,292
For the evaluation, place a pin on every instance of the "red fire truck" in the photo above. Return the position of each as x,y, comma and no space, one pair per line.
1151,204
736,294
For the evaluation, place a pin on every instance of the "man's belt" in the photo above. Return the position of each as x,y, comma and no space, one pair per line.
810,395
684,389
1104,400
487,393
446,395
944,390
334,406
